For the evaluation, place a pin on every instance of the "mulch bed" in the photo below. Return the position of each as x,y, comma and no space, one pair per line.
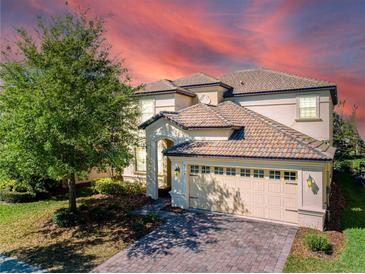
335,238
112,216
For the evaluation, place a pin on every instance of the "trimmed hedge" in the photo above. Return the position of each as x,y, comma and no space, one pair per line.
108,186
16,197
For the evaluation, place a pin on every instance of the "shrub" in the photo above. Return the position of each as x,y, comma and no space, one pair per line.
317,243
138,224
66,218
16,197
109,186
8,185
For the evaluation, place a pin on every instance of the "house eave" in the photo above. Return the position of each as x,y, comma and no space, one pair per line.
333,90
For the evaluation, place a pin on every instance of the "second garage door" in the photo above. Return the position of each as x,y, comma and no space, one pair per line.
260,193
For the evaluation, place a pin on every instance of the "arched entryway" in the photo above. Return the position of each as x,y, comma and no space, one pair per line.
158,166
163,167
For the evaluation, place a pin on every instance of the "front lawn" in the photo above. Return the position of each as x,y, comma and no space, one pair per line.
28,234
352,256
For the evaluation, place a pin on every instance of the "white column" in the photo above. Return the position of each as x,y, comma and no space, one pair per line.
152,182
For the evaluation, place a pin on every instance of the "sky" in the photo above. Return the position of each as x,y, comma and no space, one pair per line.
168,39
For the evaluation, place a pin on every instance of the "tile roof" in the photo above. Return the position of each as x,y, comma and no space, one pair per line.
195,116
264,80
243,83
163,86
196,79
263,137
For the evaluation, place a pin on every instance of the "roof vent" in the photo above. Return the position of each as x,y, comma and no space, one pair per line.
242,83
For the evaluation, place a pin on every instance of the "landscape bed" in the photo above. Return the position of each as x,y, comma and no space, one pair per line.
29,234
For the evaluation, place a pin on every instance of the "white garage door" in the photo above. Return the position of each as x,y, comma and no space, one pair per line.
245,192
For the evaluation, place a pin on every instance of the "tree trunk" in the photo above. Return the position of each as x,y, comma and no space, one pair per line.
71,182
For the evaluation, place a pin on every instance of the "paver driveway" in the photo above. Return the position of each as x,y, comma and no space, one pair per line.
207,242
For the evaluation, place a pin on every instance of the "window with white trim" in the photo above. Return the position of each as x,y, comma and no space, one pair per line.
245,172
194,169
307,107
290,176
206,169
218,170
147,109
274,174
258,173
230,171
141,159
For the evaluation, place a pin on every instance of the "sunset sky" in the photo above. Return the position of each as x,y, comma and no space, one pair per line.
170,39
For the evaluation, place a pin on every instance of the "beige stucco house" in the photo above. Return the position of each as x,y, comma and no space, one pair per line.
253,142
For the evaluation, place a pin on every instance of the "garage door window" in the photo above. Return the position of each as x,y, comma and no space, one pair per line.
258,173
230,171
290,176
194,169
274,174
206,169
218,170
245,172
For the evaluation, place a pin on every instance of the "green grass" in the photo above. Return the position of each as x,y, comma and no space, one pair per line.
27,234
352,258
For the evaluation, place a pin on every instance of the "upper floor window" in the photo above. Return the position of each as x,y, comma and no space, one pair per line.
147,108
308,107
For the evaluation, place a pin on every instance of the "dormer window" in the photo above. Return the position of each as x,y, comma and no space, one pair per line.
308,107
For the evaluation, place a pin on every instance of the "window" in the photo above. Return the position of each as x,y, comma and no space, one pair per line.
218,170
245,172
307,107
274,174
290,176
206,169
194,169
147,109
141,159
231,171
258,173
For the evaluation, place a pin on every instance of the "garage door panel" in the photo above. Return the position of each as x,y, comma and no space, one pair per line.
275,187
261,198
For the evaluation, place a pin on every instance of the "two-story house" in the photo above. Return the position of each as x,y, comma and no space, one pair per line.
253,142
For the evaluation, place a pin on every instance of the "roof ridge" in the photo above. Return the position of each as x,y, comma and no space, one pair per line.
272,123
210,107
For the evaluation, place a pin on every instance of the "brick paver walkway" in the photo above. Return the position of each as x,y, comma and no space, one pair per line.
207,242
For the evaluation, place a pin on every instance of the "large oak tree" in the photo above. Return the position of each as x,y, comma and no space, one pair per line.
65,106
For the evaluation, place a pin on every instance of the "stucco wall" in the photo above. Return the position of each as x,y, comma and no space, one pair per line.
283,108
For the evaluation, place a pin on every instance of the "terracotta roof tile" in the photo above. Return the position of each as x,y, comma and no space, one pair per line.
263,137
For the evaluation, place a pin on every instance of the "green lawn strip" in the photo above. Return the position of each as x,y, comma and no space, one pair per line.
352,258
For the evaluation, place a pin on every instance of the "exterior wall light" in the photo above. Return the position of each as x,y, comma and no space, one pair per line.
177,171
310,181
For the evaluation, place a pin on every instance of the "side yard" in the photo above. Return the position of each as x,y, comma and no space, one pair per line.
348,254
28,233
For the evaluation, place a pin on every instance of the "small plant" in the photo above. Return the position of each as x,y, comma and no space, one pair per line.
65,218
150,218
138,224
317,243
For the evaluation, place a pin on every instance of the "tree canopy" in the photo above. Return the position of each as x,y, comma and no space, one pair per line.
346,137
65,106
